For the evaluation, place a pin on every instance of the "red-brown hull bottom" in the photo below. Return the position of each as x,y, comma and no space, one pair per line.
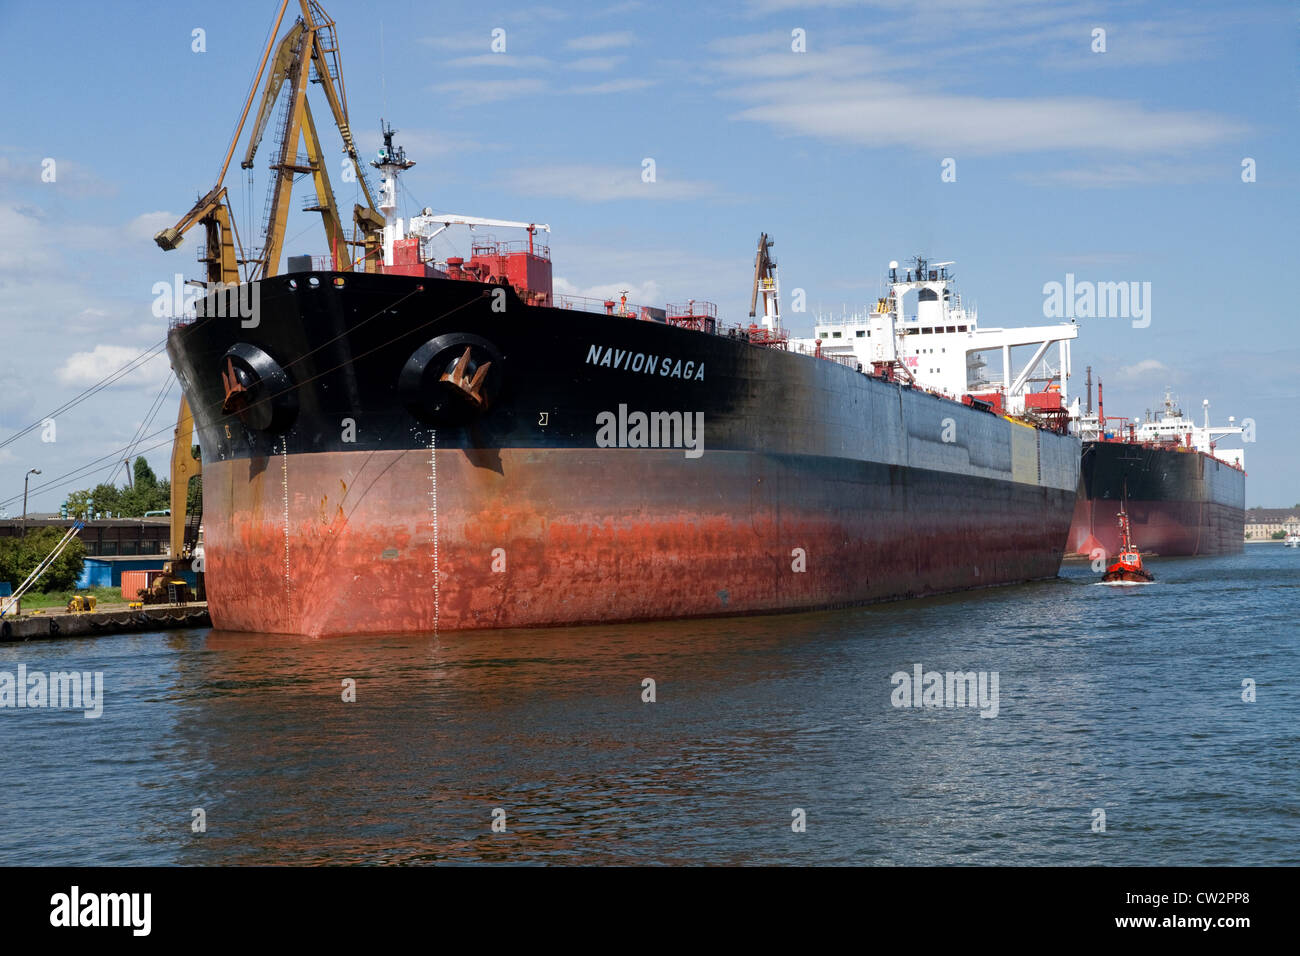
1167,528
343,542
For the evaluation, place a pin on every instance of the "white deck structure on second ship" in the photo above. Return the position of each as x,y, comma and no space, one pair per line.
940,344
1171,427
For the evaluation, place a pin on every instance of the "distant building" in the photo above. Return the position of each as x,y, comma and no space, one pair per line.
106,537
1263,523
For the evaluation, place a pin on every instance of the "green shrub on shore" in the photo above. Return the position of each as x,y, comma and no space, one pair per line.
20,556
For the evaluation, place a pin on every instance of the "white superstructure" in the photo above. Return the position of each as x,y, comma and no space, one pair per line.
939,345
1169,426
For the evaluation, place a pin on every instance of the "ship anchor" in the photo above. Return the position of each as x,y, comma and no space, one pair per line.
235,393
459,377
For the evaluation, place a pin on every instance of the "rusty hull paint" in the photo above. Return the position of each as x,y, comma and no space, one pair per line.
594,535
1179,503
1167,528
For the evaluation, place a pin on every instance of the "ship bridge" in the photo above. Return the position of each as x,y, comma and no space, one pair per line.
941,346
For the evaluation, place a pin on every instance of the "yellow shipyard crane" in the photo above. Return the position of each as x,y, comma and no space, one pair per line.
308,53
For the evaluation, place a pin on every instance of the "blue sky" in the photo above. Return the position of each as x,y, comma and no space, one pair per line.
1117,166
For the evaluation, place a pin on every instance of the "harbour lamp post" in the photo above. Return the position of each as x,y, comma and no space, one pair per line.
26,478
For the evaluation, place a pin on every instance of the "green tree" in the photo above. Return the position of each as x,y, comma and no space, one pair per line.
144,476
148,494
194,495
107,498
20,556
78,501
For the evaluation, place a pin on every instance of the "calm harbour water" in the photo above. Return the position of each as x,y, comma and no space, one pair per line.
1127,700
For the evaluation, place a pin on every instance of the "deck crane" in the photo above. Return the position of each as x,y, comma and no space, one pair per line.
765,282
307,53
309,50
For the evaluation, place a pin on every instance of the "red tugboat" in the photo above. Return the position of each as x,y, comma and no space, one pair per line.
1127,569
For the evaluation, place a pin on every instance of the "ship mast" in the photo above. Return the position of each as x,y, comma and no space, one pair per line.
392,161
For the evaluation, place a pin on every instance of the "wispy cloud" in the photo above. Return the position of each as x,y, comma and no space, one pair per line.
502,61
148,224
629,85
601,41
1116,175
423,143
1144,369
638,293
884,93
1145,43
882,114
88,368
618,9
468,93
597,63
463,42
590,183
70,176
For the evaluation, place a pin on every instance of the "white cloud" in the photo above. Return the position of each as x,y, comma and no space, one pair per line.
596,64
25,245
71,178
638,293
604,265
148,224
880,114
602,184
88,368
601,41
629,85
1126,174
503,61
883,94
1144,369
464,42
465,93
421,143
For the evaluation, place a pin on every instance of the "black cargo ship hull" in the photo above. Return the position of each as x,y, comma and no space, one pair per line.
623,469
1180,502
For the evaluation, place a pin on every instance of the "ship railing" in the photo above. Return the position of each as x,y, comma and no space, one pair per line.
612,307
848,361
493,247
692,309
852,318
